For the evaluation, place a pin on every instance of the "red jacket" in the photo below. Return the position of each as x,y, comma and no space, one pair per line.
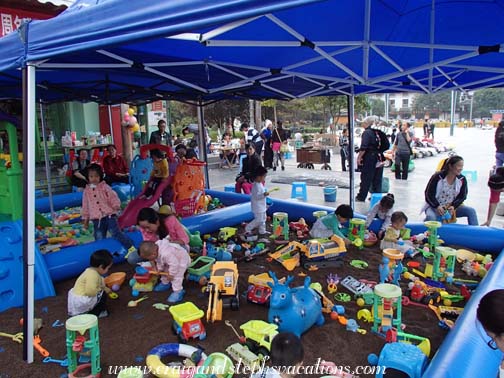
111,165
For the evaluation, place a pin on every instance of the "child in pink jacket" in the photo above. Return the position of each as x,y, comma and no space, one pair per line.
169,258
100,204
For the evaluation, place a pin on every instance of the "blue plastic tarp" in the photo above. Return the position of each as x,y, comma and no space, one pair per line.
115,51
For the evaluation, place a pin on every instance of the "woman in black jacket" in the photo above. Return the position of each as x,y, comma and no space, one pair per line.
446,192
249,166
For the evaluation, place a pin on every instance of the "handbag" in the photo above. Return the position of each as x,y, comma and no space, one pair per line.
284,147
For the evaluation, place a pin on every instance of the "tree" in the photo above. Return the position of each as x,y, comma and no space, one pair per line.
486,100
222,113
377,107
435,104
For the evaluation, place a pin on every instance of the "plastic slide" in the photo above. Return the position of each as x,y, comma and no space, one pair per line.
129,215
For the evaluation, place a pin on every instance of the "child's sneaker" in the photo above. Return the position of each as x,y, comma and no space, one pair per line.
103,314
248,237
162,287
176,296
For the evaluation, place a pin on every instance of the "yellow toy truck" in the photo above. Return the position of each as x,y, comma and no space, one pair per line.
258,336
222,289
315,253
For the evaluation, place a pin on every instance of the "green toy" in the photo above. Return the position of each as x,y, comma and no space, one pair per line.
11,177
357,231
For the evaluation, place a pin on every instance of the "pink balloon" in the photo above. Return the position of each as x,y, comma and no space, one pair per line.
132,121
126,114
127,118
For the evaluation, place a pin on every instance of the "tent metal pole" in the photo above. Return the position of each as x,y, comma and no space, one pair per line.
367,37
110,123
47,163
452,112
29,115
431,40
351,155
202,142
387,108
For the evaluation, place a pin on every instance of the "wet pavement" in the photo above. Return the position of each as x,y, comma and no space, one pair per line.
476,146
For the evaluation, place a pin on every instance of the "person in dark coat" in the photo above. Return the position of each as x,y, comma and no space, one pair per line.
250,164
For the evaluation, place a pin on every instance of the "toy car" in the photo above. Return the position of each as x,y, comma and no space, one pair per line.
187,322
258,294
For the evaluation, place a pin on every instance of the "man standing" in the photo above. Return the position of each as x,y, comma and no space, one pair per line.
266,137
370,162
160,136
252,136
115,167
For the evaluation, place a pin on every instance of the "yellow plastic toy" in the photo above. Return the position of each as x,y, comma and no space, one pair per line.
222,289
318,253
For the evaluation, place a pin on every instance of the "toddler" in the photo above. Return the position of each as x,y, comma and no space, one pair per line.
286,355
397,231
100,204
329,224
383,211
169,258
87,295
160,172
258,202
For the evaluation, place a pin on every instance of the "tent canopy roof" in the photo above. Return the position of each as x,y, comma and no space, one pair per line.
109,52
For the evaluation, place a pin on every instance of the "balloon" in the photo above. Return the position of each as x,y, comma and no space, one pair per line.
136,127
131,111
126,118
126,114
137,134
132,121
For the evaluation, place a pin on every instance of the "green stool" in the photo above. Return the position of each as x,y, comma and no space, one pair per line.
281,225
76,343
319,214
357,231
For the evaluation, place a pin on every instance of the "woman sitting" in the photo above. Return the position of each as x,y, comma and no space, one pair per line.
446,192
250,164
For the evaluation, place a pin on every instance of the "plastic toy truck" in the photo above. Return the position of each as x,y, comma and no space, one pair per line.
258,291
222,289
240,353
258,336
225,233
315,253
187,322
200,269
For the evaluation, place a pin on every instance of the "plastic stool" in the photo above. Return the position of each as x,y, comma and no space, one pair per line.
319,214
406,358
375,198
472,174
229,188
299,190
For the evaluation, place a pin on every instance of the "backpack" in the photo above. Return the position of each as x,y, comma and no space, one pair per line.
383,141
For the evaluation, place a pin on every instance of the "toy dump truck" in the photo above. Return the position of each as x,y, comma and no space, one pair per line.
318,253
187,322
222,289
258,336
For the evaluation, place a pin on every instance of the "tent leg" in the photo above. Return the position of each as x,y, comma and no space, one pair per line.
47,165
29,116
202,143
109,107
351,155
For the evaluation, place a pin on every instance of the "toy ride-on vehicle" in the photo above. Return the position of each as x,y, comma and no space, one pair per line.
187,322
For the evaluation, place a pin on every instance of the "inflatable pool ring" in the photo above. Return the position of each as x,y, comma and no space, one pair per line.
160,370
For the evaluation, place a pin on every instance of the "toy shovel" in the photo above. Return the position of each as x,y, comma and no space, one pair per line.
141,270
135,303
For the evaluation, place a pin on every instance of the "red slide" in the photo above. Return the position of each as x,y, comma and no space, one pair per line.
129,215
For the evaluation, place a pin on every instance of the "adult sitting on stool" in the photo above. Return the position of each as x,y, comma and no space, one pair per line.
369,161
115,167
79,169
250,164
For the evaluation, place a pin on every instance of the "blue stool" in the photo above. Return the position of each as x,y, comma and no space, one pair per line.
375,198
299,190
405,358
229,188
472,174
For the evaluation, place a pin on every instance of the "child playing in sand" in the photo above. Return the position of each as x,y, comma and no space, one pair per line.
159,173
258,202
100,204
286,356
88,294
396,232
329,224
169,258
383,211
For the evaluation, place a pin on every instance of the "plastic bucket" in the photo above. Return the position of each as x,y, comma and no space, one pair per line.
330,193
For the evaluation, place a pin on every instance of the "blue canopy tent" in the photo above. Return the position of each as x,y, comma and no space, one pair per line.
202,51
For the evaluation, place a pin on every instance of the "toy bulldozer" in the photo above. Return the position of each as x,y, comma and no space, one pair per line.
222,289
